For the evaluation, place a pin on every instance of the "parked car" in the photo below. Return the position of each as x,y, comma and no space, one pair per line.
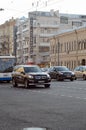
30,75
80,72
61,73
44,69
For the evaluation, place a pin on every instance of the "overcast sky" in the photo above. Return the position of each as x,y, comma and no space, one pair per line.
19,8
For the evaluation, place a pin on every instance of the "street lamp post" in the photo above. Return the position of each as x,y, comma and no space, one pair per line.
58,51
77,47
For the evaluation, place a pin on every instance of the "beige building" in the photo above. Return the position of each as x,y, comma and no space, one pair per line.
69,48
7,37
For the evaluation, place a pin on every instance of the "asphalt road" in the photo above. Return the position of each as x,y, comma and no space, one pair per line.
60,107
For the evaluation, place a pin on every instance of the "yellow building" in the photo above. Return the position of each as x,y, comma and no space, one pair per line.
7,37
69,48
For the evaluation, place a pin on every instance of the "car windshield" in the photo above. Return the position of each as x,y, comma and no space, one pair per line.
62,69
84,68
32,69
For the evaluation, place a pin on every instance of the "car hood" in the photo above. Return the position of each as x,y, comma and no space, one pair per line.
69,72
37,73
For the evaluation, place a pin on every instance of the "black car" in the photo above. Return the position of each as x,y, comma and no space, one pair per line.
61,73
30,75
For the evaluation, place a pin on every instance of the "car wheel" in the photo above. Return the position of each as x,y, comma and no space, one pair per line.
84,77
57,77
47,85
26,83
14,83
71,79
8,81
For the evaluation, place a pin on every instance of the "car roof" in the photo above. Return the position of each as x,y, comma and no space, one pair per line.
26,65
81,66
58,66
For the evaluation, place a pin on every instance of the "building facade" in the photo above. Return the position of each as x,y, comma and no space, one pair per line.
44,25
34,32
7,37
22,41
69,48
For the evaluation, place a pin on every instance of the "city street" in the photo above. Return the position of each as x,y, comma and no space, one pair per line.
60,107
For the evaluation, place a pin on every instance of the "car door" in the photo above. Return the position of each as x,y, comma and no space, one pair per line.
78,72
81,72
55,72
20,75
51,73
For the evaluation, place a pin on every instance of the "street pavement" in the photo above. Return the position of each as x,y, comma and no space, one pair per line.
60,107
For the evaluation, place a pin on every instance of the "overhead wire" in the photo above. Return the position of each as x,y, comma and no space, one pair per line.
35,7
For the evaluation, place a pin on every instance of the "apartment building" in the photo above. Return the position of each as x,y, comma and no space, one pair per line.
44,25
69,48
7,37
22,49
33,43
33,37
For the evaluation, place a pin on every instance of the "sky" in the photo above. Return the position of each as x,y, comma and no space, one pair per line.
19,8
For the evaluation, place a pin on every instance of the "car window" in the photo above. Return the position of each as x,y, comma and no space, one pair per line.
76,69
62,69
32,69
84,68
20,69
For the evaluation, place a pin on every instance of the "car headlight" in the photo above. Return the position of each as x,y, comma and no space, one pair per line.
30,76
73,73
48,75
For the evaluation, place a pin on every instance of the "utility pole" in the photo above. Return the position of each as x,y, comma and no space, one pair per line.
58,51
77,47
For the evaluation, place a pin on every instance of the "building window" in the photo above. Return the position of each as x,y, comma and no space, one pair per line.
63,20
76,23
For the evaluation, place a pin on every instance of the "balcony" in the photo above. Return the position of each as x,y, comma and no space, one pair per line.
44,53
18,33
46,35
46,26
49,25
25,30
44,44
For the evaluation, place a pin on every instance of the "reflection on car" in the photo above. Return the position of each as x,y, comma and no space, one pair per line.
44,69
80,72
30,75
61,73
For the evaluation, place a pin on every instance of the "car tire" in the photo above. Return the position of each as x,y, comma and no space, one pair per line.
57,77
8,81
47,85
71,79
84,77
26,83
14,83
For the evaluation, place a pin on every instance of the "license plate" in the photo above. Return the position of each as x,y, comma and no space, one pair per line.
41,81
68,76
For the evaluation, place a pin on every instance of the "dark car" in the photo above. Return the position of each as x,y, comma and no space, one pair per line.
30,75
61,73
